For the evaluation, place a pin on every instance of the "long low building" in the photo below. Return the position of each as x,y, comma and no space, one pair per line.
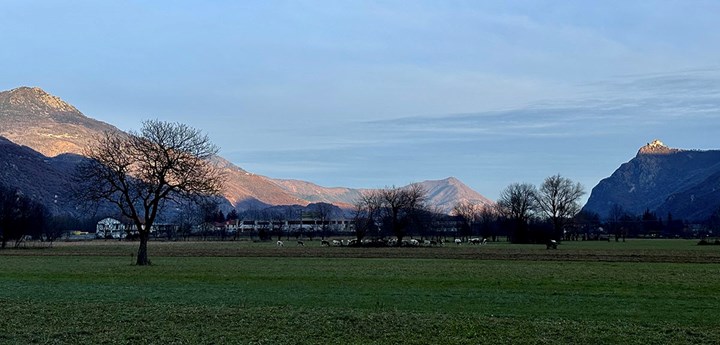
112,228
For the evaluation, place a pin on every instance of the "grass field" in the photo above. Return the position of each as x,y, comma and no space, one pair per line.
639,292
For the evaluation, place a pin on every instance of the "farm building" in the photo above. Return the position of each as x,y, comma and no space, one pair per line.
110,228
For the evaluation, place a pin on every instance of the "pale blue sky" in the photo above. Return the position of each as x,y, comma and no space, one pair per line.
368,94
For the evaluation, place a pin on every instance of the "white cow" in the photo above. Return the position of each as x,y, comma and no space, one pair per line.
280,244
458,241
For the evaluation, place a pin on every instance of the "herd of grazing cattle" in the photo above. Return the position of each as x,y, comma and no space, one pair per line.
393,242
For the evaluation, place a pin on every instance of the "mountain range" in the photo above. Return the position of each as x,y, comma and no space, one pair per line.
664,180
44,138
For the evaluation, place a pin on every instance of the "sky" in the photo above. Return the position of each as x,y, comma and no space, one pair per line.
382,93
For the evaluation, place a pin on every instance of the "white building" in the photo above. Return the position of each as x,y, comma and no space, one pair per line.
110,228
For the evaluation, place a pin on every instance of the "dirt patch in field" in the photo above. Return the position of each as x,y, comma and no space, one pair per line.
487,252
490,254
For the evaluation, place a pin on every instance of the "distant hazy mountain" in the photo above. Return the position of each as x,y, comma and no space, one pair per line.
685,183
246,190
448,192
441,193
47,124
343,197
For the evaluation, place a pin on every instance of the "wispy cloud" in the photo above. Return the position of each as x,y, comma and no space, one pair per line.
644,100
609,108
499,147
344,90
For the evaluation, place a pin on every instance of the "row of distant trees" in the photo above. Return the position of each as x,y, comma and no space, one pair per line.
524,213
555,202
621,224
404,211
528,214
23,218
393,211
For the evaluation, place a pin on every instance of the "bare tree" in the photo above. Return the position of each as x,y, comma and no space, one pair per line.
324,213
516,203
399,208
210,215
139,171
367,214
559,199
615,221
468,213
488,218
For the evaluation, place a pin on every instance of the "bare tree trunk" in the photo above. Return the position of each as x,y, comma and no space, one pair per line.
142,257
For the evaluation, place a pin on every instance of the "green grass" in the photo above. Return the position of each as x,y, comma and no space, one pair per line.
228,298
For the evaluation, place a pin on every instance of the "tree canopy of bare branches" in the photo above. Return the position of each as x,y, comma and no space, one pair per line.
366,214
517,203
139,171
324,213
395,208
559,199
469,213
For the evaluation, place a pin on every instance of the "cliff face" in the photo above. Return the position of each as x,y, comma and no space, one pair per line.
662,179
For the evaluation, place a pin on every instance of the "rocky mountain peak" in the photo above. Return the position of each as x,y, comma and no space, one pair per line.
30,116
452,180
662,179
34,100
656,147
447,192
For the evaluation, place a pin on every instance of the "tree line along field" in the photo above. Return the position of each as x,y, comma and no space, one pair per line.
640,292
